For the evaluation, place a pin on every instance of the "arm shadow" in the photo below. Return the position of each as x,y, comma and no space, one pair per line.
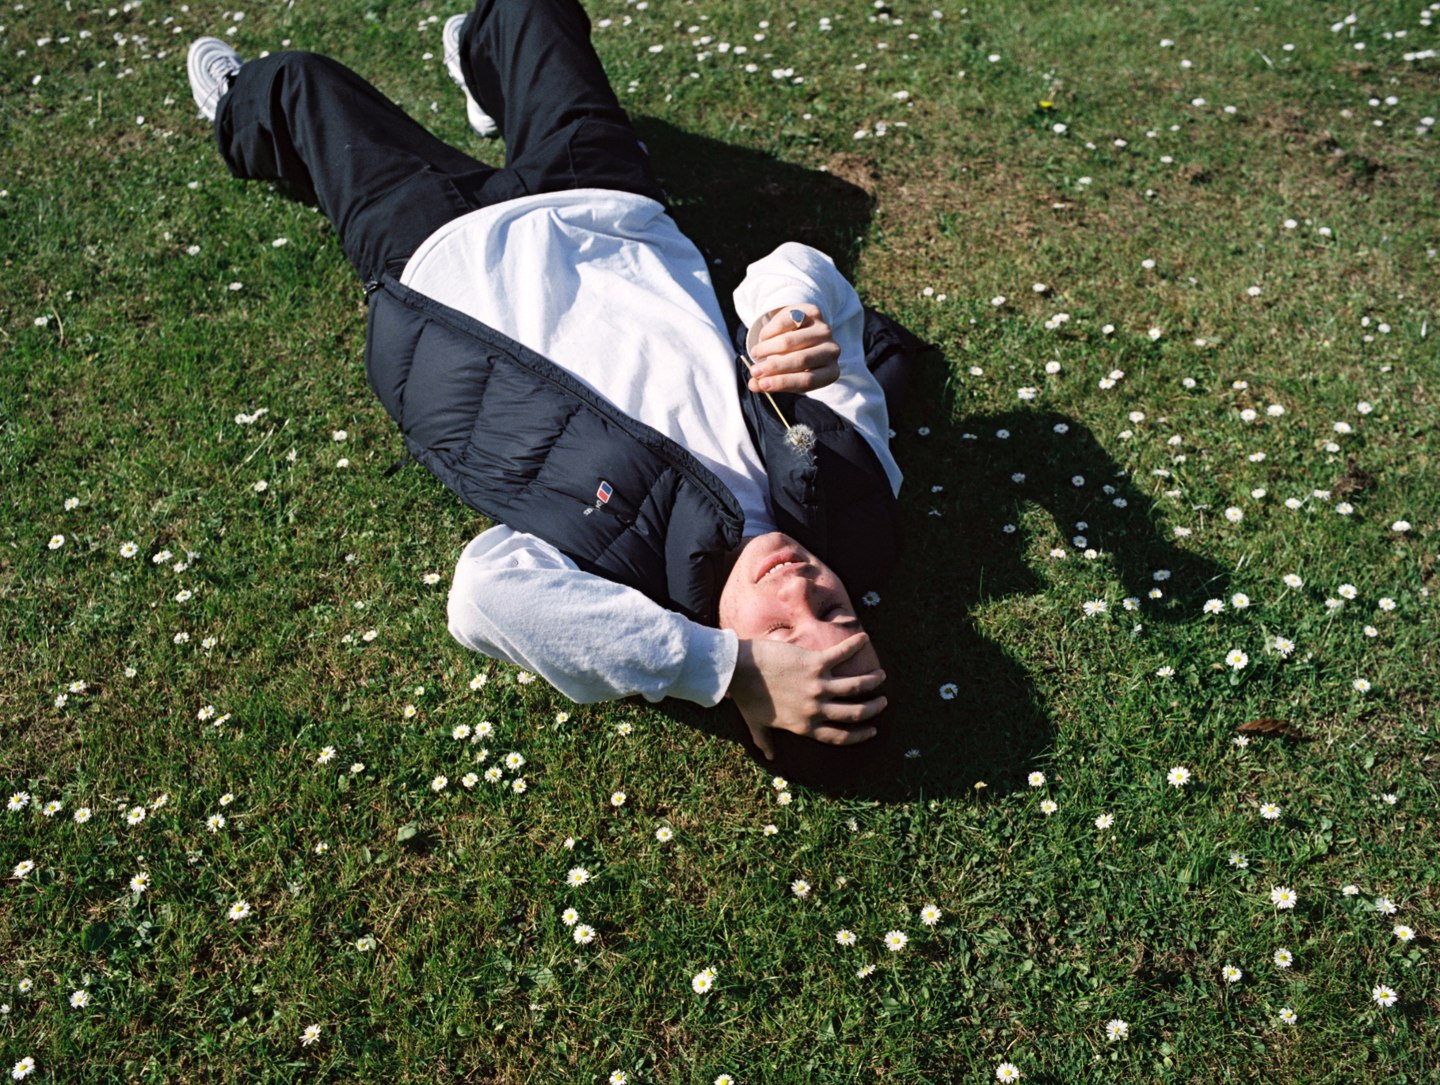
963,715
737,204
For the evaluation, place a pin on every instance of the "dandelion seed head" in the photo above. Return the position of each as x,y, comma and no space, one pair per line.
801,438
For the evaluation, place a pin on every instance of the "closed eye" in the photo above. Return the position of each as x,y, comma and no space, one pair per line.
837,615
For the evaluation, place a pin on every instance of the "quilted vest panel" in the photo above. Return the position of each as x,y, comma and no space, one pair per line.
521,441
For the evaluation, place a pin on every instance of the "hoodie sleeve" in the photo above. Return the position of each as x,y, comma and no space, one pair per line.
518,599
796,274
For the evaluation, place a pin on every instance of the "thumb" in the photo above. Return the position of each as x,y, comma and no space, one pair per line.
761,736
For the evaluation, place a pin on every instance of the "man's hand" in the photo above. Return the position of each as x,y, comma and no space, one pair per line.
784,686
791,358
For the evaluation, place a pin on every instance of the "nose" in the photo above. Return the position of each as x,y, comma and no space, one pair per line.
798,590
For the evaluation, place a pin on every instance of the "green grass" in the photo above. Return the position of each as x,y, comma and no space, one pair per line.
125,396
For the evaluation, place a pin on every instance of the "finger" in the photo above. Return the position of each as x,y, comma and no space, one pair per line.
791,339
781,320
852,712
806,381
855,685
812,356
839,653
843,736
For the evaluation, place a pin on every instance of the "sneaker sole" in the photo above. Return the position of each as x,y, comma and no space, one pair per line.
480,121
195,71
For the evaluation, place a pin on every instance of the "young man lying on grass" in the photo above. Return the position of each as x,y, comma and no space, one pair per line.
551,347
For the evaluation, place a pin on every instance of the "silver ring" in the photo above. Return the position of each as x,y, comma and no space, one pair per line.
798,316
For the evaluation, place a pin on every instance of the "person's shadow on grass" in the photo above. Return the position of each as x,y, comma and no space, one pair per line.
962,711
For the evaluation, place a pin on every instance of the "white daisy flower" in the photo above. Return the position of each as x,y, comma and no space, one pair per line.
703,981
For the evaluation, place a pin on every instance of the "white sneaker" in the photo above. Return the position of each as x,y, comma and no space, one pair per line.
212,66
481,121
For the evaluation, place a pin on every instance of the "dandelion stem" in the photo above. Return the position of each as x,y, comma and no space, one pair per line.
778,413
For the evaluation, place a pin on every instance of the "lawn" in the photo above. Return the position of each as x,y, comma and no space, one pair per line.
1156,798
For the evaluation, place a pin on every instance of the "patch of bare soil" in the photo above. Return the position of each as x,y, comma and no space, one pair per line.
854,169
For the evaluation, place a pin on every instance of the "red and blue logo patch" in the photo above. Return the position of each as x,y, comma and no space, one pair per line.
603,493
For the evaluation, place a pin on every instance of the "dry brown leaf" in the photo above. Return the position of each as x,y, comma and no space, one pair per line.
1268,726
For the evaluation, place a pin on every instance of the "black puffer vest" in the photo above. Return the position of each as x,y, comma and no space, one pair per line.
520,440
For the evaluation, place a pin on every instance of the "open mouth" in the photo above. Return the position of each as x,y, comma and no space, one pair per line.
778,563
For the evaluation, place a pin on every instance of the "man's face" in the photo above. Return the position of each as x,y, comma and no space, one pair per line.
778,590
